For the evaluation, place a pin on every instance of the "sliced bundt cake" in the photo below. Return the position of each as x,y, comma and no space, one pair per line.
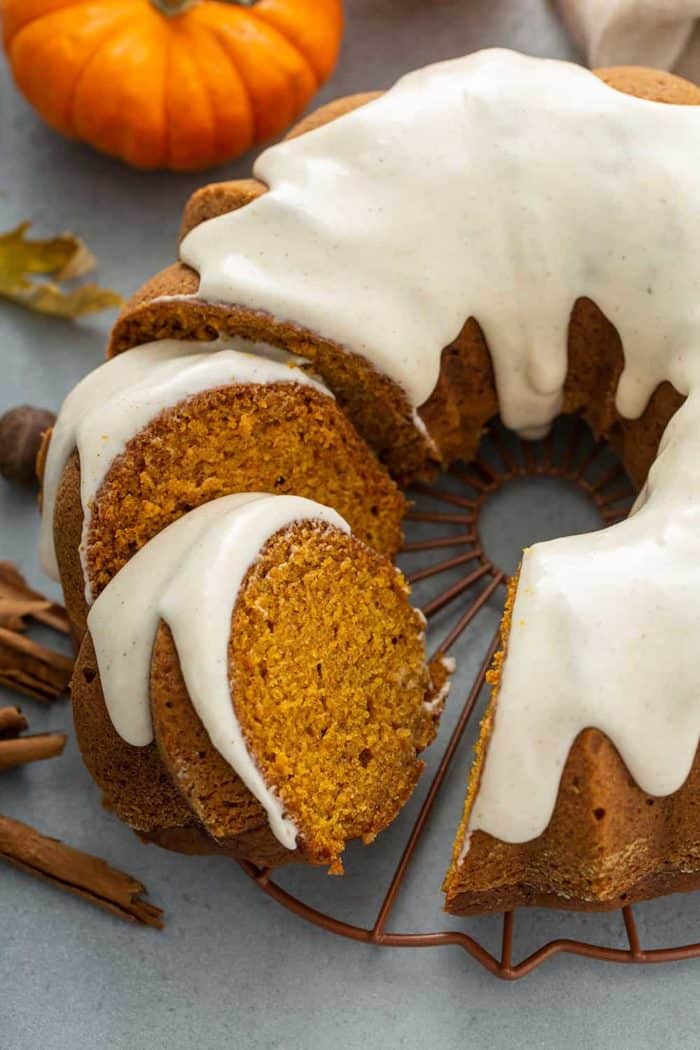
486,237
561,225
145,438
255,678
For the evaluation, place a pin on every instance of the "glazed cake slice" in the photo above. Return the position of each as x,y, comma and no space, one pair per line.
255,678
147,437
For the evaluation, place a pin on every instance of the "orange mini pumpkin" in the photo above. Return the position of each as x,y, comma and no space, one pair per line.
179,84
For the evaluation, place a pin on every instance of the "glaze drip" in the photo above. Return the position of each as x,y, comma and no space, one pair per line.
189,577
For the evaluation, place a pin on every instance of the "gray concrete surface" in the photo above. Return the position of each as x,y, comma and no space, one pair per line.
233,968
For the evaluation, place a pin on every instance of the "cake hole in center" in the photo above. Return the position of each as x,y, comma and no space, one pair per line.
531,509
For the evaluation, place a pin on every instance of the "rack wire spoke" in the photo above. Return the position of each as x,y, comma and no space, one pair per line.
444,566
471,612
437,517
471,479
436,784
443,496
444,541
453,592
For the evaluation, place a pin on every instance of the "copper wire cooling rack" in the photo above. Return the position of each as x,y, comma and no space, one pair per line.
570,455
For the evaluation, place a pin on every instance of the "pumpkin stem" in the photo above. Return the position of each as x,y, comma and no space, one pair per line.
173,7
178,7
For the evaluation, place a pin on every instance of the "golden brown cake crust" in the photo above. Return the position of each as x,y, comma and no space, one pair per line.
375,405
67,534
656,85
137,787
607,844
133,781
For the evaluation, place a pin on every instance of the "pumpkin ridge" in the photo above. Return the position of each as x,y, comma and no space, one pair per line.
301,96
179,38
11,34
211,31
165,34
119,16
166,107
105,42
321,69
204,85
205,29
221,36
208,30
290,43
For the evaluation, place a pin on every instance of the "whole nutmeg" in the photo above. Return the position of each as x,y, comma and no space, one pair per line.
21,430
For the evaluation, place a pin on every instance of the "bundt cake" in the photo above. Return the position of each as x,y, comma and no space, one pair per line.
486,237
146,437
255,679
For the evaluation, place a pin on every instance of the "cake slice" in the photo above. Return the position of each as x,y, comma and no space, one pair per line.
255,679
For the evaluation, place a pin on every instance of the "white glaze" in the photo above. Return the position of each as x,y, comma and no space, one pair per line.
453,196
190,576
505,188
115,402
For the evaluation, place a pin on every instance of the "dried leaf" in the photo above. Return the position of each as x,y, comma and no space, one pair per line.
65,257
16,750
81,262
18,600
48,298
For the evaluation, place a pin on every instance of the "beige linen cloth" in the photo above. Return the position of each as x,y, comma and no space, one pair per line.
660,33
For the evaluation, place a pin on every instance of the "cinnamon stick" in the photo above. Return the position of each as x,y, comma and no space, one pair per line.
18,751
18,601
35,748
76,872
31,668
